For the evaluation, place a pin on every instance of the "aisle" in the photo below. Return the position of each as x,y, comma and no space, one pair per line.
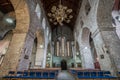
64,75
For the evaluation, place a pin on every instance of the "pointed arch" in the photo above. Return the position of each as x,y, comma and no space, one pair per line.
86,55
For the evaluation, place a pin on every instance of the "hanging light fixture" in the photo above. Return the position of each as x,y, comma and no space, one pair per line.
59,14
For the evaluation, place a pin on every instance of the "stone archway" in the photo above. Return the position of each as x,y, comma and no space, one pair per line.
22,15
40,49
63,64
33,55
18,38
86,55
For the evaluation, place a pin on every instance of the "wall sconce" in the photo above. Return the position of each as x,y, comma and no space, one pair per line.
48,58
77,53
86,48
41,46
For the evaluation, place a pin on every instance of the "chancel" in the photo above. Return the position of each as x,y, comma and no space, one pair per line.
59,39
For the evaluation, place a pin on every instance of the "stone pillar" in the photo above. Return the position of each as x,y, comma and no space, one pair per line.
87,58
12,56
24,63
112,45
103,41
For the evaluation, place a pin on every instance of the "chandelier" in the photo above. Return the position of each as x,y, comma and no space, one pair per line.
59,14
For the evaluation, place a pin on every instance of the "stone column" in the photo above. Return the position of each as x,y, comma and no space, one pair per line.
12,56
112,45
87,57
103,58
24,63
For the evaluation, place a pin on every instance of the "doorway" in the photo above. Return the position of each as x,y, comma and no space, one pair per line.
63,65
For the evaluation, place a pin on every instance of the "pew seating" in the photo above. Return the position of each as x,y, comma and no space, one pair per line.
32,75
92,75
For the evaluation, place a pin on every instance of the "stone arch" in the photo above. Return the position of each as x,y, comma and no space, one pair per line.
63,64
7,33
18,38
8,23
40,49
22,15
40,37
33,55
85,36
86,55
87,45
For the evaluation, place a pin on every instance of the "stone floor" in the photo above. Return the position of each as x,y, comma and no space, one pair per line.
64,75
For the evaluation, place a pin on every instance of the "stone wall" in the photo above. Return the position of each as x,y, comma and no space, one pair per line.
99,22
27,23
36,25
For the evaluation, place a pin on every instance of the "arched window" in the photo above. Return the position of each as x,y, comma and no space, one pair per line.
43,23
38,11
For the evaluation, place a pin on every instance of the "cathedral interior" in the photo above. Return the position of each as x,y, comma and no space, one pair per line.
62,35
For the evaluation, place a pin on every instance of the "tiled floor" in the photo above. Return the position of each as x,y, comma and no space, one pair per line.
64,75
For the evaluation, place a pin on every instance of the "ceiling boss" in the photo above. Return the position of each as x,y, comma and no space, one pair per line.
59,14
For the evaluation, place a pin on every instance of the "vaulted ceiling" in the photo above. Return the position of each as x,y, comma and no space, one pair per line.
71,4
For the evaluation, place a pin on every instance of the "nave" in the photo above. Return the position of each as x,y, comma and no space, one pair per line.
45,39
58,74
